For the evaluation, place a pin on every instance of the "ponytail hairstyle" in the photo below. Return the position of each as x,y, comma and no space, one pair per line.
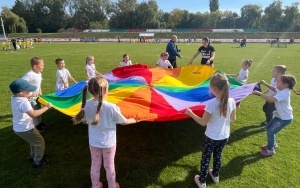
78,117
290,81
98,86
220,82
248,62
88,58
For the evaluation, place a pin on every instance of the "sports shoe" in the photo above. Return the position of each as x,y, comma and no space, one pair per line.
266,152
265,146
42,162
197,181
117,185
215,179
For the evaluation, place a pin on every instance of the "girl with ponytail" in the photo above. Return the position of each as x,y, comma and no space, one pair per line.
101,117
219,112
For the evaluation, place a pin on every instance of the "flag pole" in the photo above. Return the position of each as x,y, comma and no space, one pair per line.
3,27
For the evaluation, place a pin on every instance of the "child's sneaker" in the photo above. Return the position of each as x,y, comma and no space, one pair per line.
266,152
265,146
197,181
215,179
117,185
42,162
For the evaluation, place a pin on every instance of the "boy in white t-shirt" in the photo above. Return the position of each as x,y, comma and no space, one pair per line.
62,75
163,61
34,76
23,126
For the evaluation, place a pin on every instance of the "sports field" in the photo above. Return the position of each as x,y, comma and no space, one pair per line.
165,155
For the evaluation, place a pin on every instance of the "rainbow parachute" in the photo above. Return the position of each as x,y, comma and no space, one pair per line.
152,93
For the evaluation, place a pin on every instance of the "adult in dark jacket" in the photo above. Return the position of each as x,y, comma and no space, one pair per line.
173,51
207,51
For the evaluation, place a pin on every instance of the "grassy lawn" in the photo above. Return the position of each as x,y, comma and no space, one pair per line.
165,155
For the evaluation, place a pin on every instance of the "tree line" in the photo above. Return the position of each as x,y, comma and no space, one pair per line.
50,16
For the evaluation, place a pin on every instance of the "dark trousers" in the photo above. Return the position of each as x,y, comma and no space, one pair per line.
269,108
173,62
214,147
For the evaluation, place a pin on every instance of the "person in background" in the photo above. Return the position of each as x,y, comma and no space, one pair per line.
207,51
90,67
163,61
173,51
126,61
62,75
243,74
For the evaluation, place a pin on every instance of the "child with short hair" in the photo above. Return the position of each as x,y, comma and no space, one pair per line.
163,61
34,76
62,75
101,117
126,61
269,107
283,115
219,112
243,74
23,126
90,67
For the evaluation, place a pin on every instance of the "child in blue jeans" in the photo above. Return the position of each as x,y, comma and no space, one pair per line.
283,115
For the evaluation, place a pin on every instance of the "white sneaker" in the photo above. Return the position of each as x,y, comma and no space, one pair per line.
197,181
215,179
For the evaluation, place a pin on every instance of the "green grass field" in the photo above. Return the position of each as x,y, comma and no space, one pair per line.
149,155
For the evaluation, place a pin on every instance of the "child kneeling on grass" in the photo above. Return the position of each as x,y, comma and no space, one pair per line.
23,126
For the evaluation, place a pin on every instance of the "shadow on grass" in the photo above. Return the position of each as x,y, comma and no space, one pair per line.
145,151
244,132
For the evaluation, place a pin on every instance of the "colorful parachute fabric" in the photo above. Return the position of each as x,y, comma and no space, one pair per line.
152,93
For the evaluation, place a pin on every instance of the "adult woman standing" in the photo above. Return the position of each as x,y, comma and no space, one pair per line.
207,51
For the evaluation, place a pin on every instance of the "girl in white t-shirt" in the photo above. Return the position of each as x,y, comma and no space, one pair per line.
219,112
163,61
101,117
126,61
243,74
283,115
90,67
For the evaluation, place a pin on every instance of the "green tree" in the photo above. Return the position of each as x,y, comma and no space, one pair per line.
272,19
213,5
251,16
12,22
291,17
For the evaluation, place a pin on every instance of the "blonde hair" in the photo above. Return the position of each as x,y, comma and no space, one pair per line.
96,86
280,69
35,61
220,82
88,58
247,62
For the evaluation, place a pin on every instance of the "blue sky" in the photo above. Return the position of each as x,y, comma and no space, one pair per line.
194,5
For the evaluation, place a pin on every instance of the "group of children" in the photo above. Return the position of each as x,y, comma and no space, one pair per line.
25,44
102,116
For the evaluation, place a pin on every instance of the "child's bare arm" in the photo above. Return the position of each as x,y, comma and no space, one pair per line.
35,113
